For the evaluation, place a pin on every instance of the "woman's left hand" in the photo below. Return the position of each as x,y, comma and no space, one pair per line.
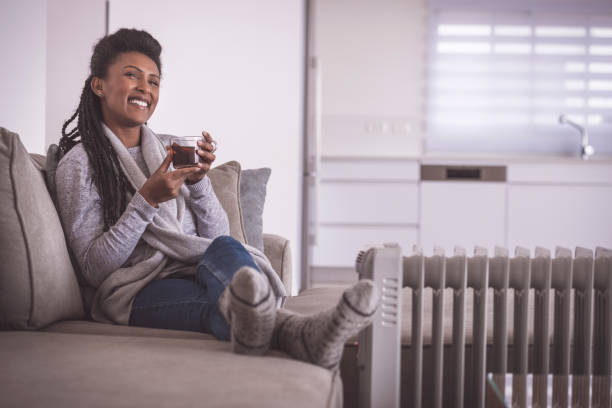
206,148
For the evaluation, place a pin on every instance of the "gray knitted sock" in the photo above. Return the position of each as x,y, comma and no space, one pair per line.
249,306
320,338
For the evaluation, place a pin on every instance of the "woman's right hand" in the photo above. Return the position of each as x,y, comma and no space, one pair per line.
164,185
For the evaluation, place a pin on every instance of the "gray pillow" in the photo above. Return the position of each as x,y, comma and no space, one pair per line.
54,155
38,285
253,183
225,181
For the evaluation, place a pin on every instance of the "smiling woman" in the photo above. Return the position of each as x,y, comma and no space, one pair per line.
104,99
152,240
128,94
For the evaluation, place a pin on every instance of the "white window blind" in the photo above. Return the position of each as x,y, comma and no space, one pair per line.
499,80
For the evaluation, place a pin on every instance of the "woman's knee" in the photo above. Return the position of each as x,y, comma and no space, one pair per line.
224,240
225,246
223,257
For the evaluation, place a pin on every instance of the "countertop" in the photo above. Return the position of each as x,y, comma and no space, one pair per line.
479,158
514,158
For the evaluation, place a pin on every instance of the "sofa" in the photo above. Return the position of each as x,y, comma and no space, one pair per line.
52,355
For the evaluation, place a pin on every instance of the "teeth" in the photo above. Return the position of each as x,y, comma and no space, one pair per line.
138,102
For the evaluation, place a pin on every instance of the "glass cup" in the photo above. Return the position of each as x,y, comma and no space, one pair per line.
185,151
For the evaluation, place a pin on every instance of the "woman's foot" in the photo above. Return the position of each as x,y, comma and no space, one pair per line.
319,339
249,306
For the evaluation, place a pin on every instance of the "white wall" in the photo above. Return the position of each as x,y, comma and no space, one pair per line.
235,69
22,70
373,55
73,27
46,48
373,59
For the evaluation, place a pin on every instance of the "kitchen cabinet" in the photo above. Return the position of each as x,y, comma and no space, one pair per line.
538,202
462,213
369,203
559,215
363,202
560,204
354,214
338,245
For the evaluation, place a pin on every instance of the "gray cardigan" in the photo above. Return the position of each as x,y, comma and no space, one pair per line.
99,253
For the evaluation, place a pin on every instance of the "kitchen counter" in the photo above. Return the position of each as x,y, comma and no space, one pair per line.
553,169
507,159
482,158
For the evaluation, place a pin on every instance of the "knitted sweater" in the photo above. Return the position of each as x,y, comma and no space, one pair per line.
99,253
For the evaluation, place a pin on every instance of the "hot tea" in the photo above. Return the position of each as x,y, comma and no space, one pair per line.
184,156
184,151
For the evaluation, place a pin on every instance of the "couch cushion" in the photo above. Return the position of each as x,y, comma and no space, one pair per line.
73,370
225,180
91,327
253,184
37,283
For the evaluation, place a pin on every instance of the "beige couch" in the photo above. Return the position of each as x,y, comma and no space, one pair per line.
51,355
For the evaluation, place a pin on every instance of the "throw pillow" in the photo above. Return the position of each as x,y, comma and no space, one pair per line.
253,183
54,155
225,180
38,285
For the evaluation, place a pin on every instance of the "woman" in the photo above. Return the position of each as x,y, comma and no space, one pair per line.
153,241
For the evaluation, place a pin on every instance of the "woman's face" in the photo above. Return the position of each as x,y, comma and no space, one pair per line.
130,90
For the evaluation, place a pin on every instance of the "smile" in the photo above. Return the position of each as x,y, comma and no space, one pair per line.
142,104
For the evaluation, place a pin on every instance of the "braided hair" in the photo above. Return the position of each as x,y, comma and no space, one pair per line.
112,184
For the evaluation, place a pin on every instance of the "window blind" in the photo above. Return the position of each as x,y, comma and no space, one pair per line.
498,81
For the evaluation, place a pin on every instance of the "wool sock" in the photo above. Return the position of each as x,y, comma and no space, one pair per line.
319,339
249,306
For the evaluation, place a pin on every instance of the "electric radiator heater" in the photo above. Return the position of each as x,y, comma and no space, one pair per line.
578,289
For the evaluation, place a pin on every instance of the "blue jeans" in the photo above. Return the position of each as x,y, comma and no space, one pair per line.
191,304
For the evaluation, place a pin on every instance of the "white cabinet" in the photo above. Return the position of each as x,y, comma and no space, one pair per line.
566,205
369,203
355,214
462,213
363,202
545,204
338,245
569,216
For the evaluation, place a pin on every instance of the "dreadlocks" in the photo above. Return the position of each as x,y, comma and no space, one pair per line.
112,184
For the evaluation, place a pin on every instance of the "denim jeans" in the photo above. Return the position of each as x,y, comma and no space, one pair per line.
191,304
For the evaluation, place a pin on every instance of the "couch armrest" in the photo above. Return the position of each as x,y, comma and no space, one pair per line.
278,252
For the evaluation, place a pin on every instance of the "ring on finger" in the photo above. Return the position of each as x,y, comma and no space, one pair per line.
213,143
